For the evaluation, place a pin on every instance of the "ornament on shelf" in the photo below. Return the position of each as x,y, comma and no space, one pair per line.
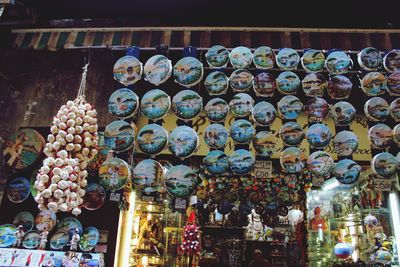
19,235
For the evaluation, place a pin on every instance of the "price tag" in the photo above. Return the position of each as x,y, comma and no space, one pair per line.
383,184
318,181
263,169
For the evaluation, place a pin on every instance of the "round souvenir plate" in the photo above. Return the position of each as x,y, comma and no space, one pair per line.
396,134
217,56
23,148
318,135
241,105
7,235
127,70
89,239
339,87
264,58
152,139
289,107
94,197
385,165
240,57
376,109
241,80
216,83
345,143
59,240
287,59
393,84
264,84
313,60
216,162
265,143
264,113
369,59
316,109
241,161
216,109
26,219
395,109
31,240
113,174
157,69
123,103
45,220
242,131
288,82
155,104
187,104
346,171
391,62
374,83
18,189
292,160
338,62
343,113
119,136
183,141
371,221
320,163
380,136
188,71
216,136
291,133
180,181
314,84
148,175
70,224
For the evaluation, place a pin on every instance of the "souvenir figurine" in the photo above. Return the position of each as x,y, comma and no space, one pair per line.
291,133
183,141
155,104
152,139
241,105
318,135
157,69
287,83
292,160
264,113
287,59
216,83
241,80
385,165
240,57
346,171
241,161
289,107
376,109
75,240
391,62
43,238
123,103
339,87
346,143
313,60
188,71
217,56
187,104
19,235
381,136
320,163
264,58
338,62
265,143
119,135
264,84
393,84
127,70
180,181
314,84
316,109
216,136
216,109
374,84
395,109
369,59
255,229
216,162
342,113
242,131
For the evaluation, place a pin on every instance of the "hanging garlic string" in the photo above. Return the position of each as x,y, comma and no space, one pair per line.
82,86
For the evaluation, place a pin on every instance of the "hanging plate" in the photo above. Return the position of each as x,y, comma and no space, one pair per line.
338,62
376,109
343,113
346,171
217,56
369,59
31,240
180,181
264,84
94,197
128,70
264,58
396,134
289,107
391,62
113,174
70,224
241,80
183,141
216,83
242,131
395,109
393,84
7,235
264,113
216,109
314,84
317,109
291,134
187,104
188,71
89,239
339,87
288,83
152,139
45,220
318,135
287,59
241,105
157,69
381,136
155,104
18,190
346,143
292,160
385,165
59,240
216,136
119,136
123,103
24,218
374,83
320,163
241,161
313,60
265,143
216,162
148,175
240,57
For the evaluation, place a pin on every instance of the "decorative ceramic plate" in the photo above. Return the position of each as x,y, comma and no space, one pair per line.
187,104
152,139
264,113
374,83
242,131
346,143
292,160
183,141
180,181
18,189
216,109
264,58
241,80
381,136
264,84
343,113
318,135
320,163
23,148
155,104
265,143
114,173
395,109
241,105
31,240
216,83
7,237
89,239
240,57
45,220
313,60
119,136
287,59
216,136
385,165
288,82
346,171
157,69
291,133
369,59
26,219
391,62
59,240
188,71
393,84
148,174
94,197
338,62
216,162
128,70
317,109
376,109
241,161
289,107
396,134
314,84
70,224
217,56
123,103
339,87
